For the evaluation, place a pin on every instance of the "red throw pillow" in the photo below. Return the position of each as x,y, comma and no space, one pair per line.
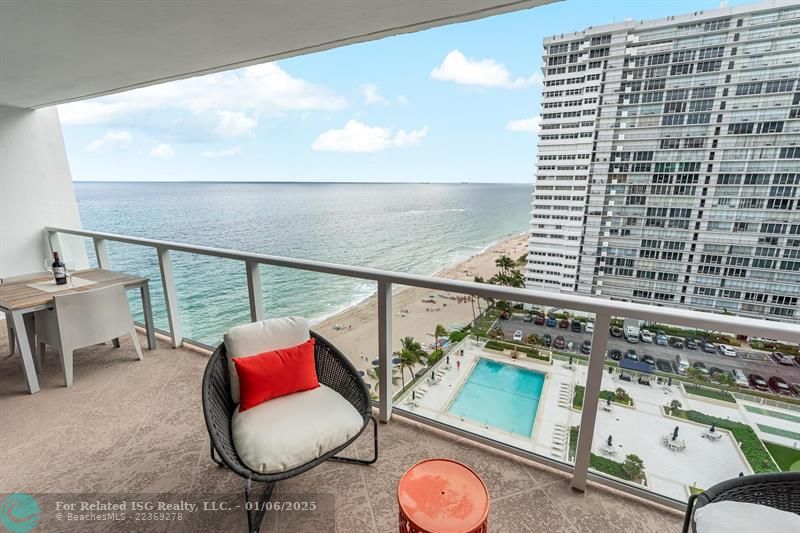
277,373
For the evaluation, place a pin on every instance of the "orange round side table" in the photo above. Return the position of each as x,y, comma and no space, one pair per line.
442,496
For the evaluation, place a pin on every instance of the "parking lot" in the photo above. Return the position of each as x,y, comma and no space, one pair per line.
765,368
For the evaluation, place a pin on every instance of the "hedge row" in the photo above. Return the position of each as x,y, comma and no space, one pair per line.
530,352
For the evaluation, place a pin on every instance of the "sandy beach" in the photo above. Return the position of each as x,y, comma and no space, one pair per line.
355,330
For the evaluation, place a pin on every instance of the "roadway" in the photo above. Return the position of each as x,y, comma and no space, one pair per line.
765,368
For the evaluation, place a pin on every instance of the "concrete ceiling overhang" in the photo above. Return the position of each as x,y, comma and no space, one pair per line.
55,51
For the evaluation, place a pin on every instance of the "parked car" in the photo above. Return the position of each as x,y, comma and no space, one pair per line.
547,340
691,343
779,386
724,349
783,359
615,355
538,320
615,331
681,363
517,335
676,342
739,378
646,336
527,318
551,322
708,347
563,324
589,327
701,367
576,326
714,370
631,354
649,360
661,338
664,366
586,347
757,382
559,343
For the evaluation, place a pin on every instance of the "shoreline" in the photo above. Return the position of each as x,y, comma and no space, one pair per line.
415,311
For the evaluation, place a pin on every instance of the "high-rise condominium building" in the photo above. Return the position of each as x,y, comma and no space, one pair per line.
669,162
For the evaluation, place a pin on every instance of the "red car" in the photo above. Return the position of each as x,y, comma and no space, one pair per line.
558,344
779,386
757,382
564,324
538,320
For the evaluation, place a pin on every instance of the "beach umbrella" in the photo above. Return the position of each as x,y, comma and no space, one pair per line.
712,429
675,434
611,370
570,360
609,441
396,361
448,359
375,362
608,402
413,395
669,383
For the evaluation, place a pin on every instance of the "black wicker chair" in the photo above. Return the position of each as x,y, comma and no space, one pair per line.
779,490
333,370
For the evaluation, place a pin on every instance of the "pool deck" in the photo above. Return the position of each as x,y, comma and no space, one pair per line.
639,430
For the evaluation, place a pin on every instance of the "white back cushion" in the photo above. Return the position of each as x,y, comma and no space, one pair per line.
289,431
739,517
260,337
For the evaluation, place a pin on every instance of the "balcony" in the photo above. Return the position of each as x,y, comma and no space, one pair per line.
137,428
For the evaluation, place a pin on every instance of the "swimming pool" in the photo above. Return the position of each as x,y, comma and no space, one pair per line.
499,395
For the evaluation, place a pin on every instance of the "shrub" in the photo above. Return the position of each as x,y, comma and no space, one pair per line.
530,352
458,336
434,356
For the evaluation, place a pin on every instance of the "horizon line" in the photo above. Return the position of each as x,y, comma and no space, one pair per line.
311,181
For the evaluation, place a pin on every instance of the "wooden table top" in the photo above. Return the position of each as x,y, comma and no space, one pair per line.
18,295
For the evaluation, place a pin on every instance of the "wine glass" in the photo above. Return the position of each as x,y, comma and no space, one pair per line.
69,267
48,267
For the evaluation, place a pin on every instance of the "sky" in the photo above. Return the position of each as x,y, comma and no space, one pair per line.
457,103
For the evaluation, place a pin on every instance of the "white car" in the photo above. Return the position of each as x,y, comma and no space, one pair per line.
589,327
518,335
724,349
646,336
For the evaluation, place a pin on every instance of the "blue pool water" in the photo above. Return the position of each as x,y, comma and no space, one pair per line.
502,396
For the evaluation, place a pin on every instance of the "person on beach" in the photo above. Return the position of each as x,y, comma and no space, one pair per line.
458,366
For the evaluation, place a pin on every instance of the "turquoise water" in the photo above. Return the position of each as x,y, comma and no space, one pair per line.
414,228
502,396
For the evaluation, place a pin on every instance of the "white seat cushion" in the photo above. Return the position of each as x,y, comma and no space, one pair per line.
289,431
739,517
260,337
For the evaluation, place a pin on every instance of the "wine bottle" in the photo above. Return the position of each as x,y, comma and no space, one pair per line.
59,270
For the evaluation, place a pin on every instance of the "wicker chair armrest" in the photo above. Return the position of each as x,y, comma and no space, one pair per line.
218,408
337,372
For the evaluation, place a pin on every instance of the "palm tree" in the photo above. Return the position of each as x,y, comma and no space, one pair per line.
439,332
695,375
504,263
410,354
674,405
725,379
633,466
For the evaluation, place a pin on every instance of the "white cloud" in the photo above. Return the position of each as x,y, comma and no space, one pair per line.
373,95
117,138
227,152
234,124
357,137
483,72
530,125
162,151
252,91
402,100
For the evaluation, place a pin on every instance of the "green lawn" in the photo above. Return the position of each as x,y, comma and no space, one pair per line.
788,459
597,462
715,394
577,399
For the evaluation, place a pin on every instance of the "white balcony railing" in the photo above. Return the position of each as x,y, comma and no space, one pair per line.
602,309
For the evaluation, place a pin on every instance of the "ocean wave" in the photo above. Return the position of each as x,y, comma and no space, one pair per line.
423,211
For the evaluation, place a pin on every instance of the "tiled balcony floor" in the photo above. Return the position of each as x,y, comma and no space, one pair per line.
137,427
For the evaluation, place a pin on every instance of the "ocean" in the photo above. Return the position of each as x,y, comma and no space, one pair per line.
413,228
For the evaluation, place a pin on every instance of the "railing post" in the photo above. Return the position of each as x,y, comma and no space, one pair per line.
254,293
101,252
591,399
170,297
54,241
384,350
